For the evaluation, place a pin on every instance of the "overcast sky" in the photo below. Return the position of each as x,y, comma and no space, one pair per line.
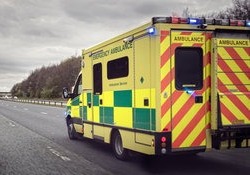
34,33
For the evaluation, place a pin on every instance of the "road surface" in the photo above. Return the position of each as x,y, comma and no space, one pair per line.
33,140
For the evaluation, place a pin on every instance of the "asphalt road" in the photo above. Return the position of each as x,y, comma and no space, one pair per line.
33,140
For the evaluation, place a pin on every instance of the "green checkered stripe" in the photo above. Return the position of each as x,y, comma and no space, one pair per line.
143,118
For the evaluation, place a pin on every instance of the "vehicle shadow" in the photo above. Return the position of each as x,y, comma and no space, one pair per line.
189,164
203,163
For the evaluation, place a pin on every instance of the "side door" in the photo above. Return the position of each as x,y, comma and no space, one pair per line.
87,97
97,101
76,105
189,90
144,115
75,102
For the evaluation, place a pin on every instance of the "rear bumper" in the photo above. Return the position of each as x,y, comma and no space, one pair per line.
166,147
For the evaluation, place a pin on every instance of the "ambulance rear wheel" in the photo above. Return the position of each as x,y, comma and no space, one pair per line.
120,152
71,130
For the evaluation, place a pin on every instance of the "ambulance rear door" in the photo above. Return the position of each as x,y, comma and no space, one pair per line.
189,89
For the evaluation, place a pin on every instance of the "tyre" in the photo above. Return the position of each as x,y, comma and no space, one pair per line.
119,151
71,130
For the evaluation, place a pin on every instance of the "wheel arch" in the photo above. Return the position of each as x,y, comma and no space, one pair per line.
68,119
119,151
113,131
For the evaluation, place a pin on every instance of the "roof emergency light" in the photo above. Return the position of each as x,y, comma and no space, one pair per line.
223,22
161,20
183,20
177,20
151,31
200,22
241,22
237,22
248,23
195,21
209,21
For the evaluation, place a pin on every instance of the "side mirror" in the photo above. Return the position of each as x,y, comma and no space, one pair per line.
66,93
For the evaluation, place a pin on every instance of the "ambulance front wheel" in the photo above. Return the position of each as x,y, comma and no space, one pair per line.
71,130
117,146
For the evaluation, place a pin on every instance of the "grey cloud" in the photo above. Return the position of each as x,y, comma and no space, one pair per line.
117,10
104,12
34,33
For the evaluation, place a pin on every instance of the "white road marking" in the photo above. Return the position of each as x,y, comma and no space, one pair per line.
26,109
65,158
12,124
44,113
58,154
14,106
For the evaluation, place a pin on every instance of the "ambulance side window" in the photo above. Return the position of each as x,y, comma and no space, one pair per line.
97,78
78,86
118,68
188,68
79,91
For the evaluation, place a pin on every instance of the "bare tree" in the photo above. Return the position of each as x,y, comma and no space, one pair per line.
240,10
186,13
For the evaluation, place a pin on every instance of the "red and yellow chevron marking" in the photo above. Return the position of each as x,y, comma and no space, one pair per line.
234,84
166,78
179,112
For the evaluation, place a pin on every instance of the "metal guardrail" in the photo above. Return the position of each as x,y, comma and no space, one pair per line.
41,102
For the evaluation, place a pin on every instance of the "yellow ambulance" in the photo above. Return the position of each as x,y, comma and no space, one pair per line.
172,85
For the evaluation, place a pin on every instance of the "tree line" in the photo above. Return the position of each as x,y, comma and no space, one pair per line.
48,82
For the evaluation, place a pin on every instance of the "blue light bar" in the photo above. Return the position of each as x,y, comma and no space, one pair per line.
196,21
152,31
248,23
